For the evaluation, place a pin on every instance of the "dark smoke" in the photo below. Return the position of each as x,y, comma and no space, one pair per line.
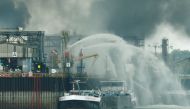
13,14
132,17
140,17
122,17
178,14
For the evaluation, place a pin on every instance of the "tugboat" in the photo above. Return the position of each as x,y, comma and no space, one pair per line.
80,99
115,95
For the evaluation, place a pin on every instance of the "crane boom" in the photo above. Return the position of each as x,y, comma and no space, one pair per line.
87,56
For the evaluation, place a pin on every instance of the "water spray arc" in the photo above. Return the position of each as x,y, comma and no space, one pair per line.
148,75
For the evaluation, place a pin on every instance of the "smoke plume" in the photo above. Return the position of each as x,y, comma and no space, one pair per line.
54,16
121,17
13,13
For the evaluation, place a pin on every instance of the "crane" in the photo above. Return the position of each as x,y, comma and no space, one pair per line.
81,57
80,68
87,56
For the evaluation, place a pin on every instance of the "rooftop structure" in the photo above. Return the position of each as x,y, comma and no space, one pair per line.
32,40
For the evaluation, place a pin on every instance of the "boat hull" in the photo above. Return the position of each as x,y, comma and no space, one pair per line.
78,104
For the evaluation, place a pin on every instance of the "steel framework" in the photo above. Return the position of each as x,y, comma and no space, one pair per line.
26,39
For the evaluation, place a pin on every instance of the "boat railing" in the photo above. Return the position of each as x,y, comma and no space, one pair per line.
95,93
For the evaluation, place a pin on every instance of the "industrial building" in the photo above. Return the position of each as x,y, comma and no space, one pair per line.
18,47
34,71
26,58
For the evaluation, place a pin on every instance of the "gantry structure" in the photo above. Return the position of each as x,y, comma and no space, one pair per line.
27,39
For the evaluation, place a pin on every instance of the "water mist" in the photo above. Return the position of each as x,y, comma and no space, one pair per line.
149,77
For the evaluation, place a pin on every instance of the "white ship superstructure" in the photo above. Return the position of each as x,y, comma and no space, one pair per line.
80,99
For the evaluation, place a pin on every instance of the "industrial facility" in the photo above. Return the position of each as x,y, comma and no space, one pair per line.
35,68
26,61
